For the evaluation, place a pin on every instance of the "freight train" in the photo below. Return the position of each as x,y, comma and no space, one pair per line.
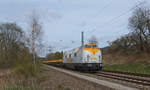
87,57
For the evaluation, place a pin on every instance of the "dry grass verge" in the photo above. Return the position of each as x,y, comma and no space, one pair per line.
135,63
111,59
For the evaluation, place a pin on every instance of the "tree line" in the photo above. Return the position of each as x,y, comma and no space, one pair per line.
19,50
138,39
54,56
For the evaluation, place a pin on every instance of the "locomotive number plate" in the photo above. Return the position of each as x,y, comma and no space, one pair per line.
93,58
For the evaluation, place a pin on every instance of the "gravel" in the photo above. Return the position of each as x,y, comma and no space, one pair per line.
60,81
51,79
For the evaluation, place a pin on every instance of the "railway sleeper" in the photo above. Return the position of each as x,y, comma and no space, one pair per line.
126,79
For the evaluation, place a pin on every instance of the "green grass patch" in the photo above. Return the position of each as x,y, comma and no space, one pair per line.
140,67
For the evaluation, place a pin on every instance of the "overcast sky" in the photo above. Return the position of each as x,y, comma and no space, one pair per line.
63,20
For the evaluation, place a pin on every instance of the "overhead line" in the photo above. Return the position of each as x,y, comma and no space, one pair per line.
100,11
115,18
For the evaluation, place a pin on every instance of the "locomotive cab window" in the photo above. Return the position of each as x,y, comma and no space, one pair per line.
75,54
69,55
87,46
95,46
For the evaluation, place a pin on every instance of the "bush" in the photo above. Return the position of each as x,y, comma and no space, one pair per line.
24,65
28,70
14,52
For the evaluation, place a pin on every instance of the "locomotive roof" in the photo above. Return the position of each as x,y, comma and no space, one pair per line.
79,48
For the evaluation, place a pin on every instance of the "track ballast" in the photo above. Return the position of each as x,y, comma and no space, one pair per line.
142,80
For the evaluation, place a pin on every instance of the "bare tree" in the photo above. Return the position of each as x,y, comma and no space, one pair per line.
139,25
138,40
11,42
35,34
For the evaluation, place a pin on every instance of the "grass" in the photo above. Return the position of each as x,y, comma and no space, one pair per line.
24,76
28,70
23,84
139,67
62,88
21,87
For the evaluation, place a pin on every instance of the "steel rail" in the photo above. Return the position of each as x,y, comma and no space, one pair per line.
125,78
129,73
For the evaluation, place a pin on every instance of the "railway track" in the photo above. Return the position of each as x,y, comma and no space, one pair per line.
128,73
138,79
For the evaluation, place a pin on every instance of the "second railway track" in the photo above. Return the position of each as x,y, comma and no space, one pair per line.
139,79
